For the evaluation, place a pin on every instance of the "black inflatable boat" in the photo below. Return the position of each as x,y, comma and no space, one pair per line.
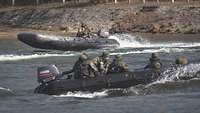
64,43
52,86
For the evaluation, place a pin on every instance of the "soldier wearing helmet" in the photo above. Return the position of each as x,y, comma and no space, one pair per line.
100,64
84,31
154,62
80,68
118,65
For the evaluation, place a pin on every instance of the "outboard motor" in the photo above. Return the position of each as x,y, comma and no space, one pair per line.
47,73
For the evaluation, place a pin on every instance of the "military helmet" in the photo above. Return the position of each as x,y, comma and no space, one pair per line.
157,65
154,55
83,56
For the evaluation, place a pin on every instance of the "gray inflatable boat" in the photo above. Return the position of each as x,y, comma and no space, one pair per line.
64,43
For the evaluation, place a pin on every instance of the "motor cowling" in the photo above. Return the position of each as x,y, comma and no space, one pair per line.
47,73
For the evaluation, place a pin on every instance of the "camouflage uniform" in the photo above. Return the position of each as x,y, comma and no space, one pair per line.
118,65
80,68
87,31
100,64
154,62
84,31
78,34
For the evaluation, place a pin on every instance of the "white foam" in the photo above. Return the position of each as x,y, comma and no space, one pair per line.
129,41
80,94
5,89
126,40
12,57
166,50
175,73
171,50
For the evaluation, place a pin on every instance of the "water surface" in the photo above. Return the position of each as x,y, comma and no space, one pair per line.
19,62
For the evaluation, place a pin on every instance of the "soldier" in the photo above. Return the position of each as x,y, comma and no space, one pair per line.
78,34
100,64
104,62
87,31
84,31
154,62
80,68
118,65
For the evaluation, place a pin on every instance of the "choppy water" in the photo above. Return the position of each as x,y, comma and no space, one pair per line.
170,94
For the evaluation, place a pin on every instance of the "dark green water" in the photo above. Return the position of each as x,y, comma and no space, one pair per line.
18,65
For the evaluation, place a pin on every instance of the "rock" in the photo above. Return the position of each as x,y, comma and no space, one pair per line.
198,30
148,8
49,28
64,28
124,18
146,28
188,31
156,27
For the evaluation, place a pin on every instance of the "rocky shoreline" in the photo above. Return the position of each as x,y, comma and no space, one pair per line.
117,18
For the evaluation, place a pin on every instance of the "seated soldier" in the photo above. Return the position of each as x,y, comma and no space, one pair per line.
80,68
154,62
181,61
78,34
87,32
100,64
118,65
83,31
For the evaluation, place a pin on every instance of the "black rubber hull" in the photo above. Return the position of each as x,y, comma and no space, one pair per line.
65,44
115,80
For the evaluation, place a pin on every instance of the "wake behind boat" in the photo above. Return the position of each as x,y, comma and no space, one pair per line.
64,43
